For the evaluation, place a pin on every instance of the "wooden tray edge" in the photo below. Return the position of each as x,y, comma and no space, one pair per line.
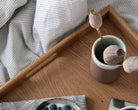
122,24
53,52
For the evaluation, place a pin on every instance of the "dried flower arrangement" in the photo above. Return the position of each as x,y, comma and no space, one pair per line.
112,54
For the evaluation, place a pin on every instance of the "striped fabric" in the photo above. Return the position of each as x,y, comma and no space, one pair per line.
33,104
7,8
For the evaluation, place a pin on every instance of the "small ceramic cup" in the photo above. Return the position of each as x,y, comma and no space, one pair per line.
99,70
129,108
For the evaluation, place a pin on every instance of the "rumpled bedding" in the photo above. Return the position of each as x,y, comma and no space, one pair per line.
29,28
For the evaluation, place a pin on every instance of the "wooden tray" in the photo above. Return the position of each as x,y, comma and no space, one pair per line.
64,69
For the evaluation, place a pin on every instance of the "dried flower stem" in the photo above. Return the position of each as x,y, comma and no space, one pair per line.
95,21
93,11
100,34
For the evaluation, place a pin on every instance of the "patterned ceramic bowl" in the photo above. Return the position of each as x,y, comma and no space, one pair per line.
62,101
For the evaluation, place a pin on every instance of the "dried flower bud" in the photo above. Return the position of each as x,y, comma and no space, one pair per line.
113,55
95,19
130,65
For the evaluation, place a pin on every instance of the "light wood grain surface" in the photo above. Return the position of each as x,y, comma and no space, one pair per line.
68,74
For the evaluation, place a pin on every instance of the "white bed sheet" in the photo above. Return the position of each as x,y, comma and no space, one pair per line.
31,30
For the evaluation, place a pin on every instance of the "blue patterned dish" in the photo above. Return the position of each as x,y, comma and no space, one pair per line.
60,102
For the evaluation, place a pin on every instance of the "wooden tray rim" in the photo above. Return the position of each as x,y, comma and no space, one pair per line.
46,58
